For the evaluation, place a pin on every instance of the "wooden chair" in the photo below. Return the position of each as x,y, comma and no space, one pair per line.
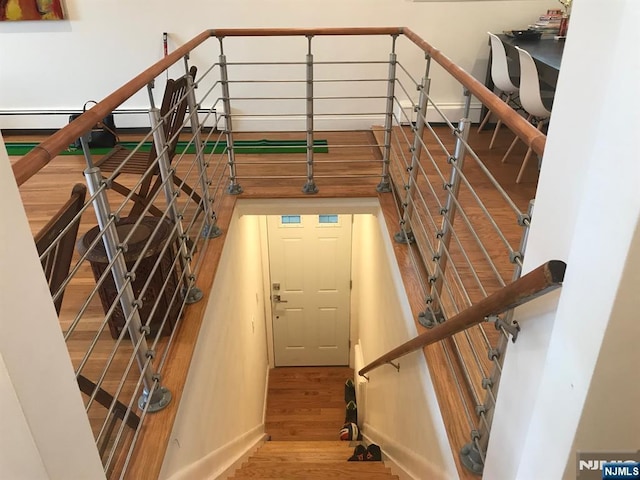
173,111
56,264
119,411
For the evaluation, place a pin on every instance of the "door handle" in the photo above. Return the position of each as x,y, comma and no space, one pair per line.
276,299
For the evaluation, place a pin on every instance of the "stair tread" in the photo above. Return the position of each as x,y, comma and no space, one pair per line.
328,465
323,471
307,457
294,445
320,475
288,460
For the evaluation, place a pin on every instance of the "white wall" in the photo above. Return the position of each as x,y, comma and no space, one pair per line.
60,65
557,375
221,412
400,411
45,432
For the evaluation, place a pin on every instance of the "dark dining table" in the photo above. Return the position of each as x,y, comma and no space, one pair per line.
546,52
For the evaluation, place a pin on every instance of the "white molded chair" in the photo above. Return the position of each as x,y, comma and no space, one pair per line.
501,79
531,101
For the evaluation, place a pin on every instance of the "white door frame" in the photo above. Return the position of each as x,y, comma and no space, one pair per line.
306,206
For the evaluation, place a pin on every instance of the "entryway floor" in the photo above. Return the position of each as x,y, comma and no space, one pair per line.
306,403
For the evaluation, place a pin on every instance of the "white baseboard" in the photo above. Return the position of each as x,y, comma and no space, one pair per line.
237,463
452,112
55,119
266,393
402,461
223,461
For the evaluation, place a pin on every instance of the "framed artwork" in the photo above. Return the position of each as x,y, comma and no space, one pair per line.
11,10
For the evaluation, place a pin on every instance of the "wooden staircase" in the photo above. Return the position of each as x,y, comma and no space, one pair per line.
308,460
305,411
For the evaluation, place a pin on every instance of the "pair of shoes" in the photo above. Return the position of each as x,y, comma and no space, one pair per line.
359,454
350,431
351,413
371,453
349,391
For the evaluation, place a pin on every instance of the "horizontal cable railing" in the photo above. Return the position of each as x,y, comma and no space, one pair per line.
123,305
123,264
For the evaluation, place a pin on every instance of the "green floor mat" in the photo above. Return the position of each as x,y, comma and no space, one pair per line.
240,146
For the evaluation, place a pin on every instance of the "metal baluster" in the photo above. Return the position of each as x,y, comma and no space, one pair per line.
310,187
448,213
122,280
211,229
473,450
385,185
191,293
234,187
406,233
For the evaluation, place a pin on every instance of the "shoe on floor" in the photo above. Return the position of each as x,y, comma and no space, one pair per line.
350,431
359,454
349,391
351,413
373,453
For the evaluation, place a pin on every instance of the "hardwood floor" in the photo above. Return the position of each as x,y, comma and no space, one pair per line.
44,193
305,411
306,403
295,460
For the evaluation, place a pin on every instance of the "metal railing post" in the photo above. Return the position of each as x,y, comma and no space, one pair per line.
234,187
122,279
475,449
191,293
309,187
443,236
405,235
385,184
211,229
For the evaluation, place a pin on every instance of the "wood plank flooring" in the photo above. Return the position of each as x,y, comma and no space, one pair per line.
311,460
305,411
44,193
306,403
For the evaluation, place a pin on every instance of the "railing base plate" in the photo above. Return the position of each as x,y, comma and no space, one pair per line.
406,238
211,231
383,187
471,458
430,319
234,189
161,398
310,188
194,295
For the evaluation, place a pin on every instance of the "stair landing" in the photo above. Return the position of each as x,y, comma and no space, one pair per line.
309,460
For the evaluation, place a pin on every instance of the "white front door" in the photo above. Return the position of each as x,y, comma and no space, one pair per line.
310,269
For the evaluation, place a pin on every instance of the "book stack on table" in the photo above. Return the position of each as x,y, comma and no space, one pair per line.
548,23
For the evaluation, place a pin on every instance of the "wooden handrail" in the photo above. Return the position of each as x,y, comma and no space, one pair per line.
41,155
543,279
518,125
303,32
